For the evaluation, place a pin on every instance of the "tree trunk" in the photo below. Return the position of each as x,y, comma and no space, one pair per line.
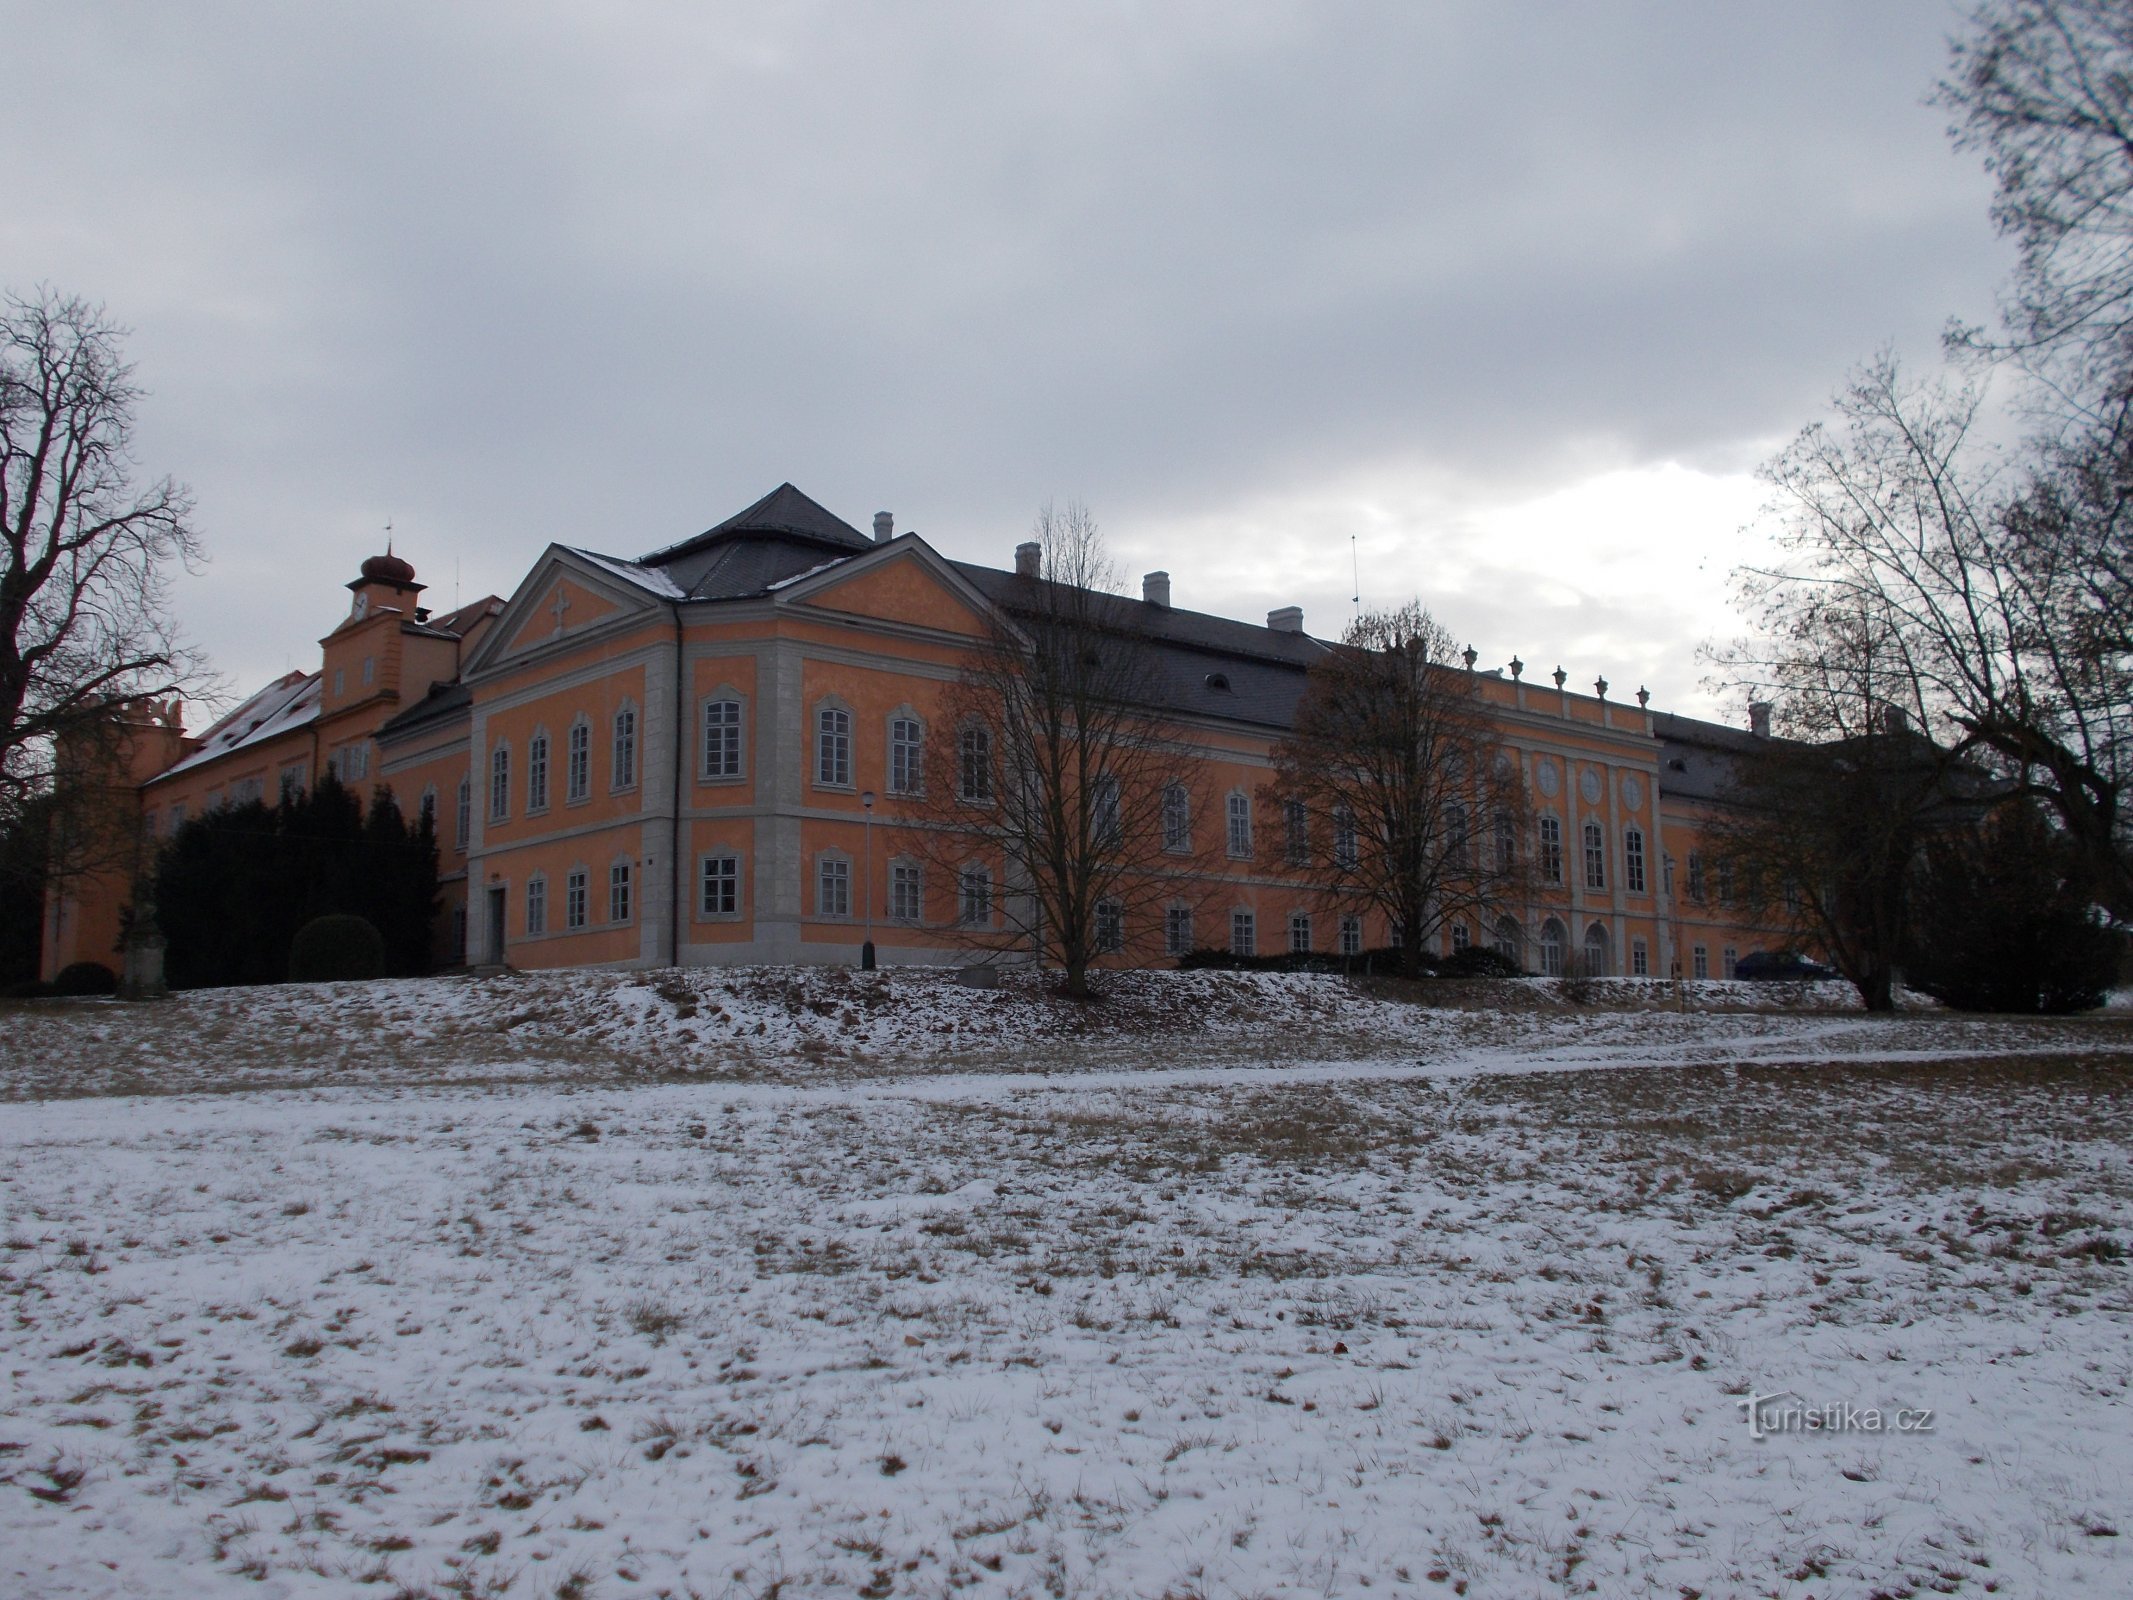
1077,977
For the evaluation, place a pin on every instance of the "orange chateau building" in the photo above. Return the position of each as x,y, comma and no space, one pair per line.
662,761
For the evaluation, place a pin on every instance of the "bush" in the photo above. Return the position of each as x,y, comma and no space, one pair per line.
1478,961
27,989
85,977
336,947
2002,922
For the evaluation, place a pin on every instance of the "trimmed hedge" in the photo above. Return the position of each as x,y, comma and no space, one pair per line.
336,947
1478,961
85,978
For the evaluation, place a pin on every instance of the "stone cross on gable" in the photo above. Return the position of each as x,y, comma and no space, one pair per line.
562,604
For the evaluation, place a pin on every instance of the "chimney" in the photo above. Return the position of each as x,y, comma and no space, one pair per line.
1028,557
1759,718
884,527
1155,589
1895,719
1289,619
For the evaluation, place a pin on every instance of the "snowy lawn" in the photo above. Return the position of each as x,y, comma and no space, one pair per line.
585,1286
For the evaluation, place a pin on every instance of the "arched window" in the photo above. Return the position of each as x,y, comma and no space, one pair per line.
1552,942
1633,859
537,772
623,766
578,764
833,747
1596,962
1510,942
500,783
1240,825
1595,857
1177,819
722,739
974,768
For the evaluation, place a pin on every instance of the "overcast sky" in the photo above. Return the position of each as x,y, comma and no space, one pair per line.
1516,295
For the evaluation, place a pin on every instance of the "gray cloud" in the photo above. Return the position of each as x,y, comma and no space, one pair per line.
511,273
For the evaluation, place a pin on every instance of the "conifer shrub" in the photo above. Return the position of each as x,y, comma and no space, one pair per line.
336,947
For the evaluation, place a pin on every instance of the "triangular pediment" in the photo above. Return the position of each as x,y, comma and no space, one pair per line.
902,582
563,598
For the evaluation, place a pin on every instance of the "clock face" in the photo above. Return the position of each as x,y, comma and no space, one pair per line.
362,607
1589,786
1544,778
1633,792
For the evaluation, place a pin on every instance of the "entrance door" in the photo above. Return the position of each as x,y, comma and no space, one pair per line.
493,950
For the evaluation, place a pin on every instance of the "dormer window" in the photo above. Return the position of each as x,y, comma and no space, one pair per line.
1218,680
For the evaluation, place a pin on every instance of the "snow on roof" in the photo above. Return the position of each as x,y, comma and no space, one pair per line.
288,702
647,578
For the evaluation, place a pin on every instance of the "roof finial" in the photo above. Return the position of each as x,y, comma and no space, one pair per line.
388,533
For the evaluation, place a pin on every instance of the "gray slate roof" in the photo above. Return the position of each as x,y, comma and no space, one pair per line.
1696,757
1257,673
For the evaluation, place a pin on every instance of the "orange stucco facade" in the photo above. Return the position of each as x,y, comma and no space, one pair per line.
625,767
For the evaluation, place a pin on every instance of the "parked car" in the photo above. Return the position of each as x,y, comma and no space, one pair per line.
1779,964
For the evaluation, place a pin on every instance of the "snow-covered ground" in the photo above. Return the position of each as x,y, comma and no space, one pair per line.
733,1284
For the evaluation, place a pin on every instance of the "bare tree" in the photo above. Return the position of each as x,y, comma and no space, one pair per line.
1909,580
84,627
1410,806
2043,89
1821,831
1046,795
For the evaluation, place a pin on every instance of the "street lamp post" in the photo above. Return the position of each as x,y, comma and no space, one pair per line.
866,951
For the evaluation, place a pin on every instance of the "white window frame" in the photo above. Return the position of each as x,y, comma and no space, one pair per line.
1177,819
1110,927
1594,838
500,782
722,723
728,884
833,886
621,897
833,745
1177,930
537,772
1243,931
578,762
974,776
622,749
577,896
1551,850
907,752
1299,933
1237,825
907,876
536,906
1633,859
1351,935
973,896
